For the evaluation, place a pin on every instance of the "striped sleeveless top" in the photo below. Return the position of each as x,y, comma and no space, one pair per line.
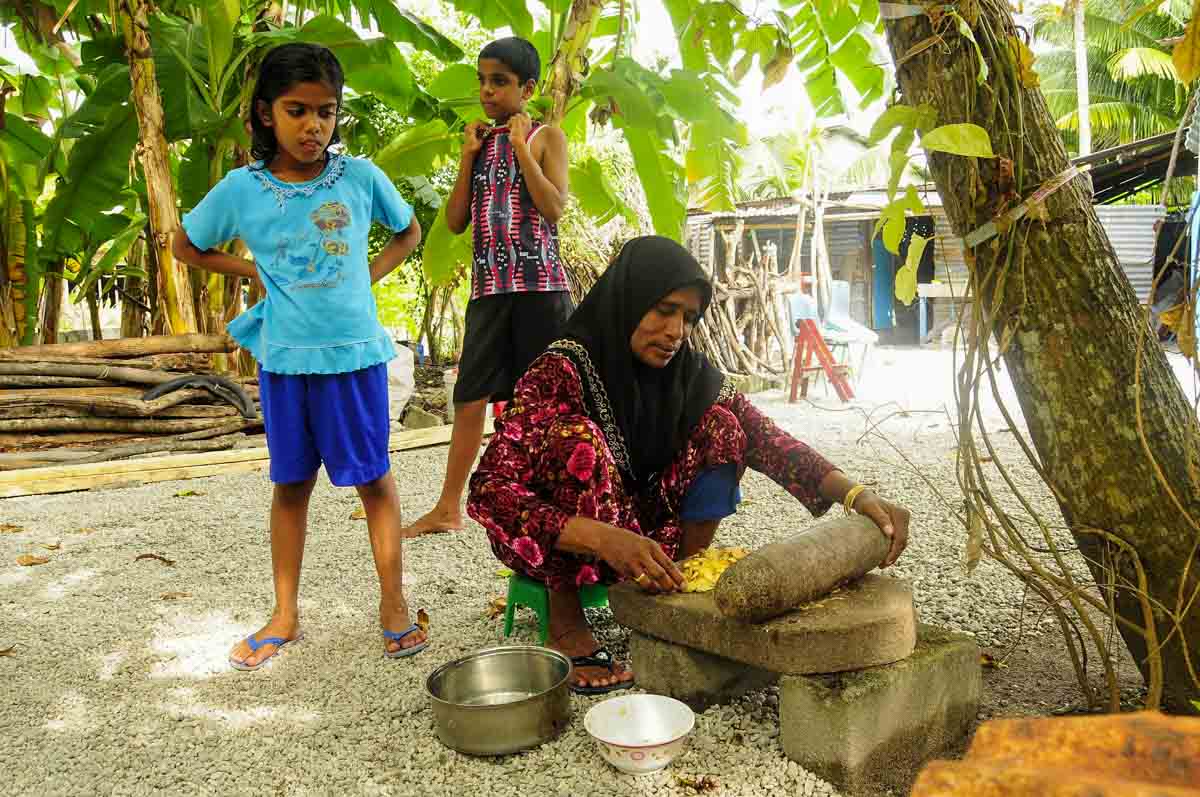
516,248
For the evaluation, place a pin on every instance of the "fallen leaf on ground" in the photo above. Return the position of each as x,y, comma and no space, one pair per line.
8,528
358,514
51,546
175,596
990,662
504,572
699,784
28,560
496,607
84,530
157,558
423,620
8,651
188,494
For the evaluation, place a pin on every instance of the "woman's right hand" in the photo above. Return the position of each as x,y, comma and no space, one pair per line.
641,560
637,558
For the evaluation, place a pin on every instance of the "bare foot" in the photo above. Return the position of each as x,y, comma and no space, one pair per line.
396,619
580,642
282,627
435,521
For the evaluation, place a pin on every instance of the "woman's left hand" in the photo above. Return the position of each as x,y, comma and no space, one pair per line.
891,519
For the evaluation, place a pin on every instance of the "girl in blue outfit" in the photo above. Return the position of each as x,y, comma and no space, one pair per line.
304,213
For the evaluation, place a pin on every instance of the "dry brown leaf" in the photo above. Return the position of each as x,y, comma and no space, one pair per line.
157,558
84,530
188,494
51,546
29,560
358,514
697,783
496,607
1024,58
990,662
974,549
175,596
423,620
8,528
8,651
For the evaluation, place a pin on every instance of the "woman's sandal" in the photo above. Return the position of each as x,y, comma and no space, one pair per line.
600,657
396,636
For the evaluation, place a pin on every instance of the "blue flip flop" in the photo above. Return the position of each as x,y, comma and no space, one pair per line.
396,636
255,644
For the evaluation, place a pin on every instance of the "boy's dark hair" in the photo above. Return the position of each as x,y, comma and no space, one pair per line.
518,55
282,68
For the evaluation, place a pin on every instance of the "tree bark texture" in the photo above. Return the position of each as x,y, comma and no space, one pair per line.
1074,328
174,288
135,347
570,61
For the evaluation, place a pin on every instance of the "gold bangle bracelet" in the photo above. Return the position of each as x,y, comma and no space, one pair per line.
851,496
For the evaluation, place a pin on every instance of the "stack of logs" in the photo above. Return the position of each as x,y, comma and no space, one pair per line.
83,402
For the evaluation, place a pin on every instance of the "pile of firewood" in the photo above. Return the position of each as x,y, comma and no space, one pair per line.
106,400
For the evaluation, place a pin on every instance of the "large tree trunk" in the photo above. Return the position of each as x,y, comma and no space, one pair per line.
175,290
570,61
52,299
1075,332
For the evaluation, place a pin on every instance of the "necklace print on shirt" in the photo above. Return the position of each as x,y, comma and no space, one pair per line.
313,258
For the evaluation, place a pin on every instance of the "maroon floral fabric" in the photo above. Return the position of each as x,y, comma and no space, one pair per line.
548,462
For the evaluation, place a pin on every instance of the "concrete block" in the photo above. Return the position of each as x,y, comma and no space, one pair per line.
869,732
697,678
864,624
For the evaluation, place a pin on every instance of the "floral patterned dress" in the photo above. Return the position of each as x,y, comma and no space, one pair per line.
549,461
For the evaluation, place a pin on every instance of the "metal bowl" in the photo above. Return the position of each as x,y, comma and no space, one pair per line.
501,700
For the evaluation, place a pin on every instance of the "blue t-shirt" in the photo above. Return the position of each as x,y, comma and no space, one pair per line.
309,242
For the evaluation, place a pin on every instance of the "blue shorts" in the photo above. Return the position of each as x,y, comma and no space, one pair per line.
340,420
713,495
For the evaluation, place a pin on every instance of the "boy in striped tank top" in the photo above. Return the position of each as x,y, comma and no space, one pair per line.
511,188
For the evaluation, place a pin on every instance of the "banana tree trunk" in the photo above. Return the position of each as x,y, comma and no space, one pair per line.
570,60
1074,333
52,299
134,301
175,291
12,273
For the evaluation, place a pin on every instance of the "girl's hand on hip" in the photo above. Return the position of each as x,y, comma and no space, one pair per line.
891,519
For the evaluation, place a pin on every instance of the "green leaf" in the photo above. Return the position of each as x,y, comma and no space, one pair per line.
495,14
116,251
595,194
372,66
906,277
964,30
418,150
905,117
661,178
445,254
456,81
823,92
837,19
194,173
37,94
97,174
892,216
633,105
853,59
180,58
22,142
219,17
959,139
402,26
113,89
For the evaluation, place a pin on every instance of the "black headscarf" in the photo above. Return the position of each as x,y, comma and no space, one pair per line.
653,409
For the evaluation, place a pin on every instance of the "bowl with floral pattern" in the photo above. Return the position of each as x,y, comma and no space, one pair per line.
640,734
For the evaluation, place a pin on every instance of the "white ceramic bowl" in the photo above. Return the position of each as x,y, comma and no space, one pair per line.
640,733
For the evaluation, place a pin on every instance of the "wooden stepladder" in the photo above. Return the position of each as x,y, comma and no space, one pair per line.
810,342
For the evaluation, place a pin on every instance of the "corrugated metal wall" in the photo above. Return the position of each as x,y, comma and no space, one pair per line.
1130,229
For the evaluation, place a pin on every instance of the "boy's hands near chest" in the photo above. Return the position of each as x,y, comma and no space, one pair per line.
543,164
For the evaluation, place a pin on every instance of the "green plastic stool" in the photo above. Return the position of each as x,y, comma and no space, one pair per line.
533,594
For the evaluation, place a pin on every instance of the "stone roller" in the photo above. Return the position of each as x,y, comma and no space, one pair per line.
779,577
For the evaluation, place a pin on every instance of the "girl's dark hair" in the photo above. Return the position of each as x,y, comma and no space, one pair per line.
518,55
282,68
